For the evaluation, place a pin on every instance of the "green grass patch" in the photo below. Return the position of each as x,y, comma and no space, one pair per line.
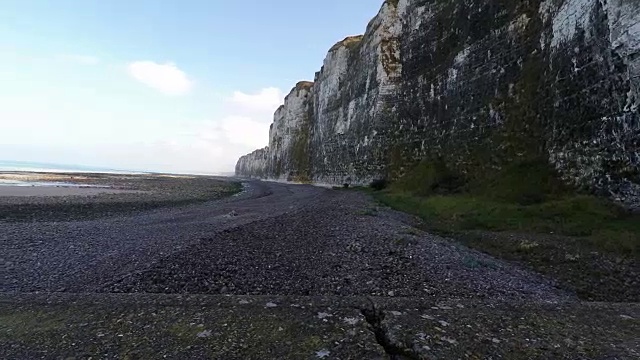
523,212
525,196
526,182
429,178
602,223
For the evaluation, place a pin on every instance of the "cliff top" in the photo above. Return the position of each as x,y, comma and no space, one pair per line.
301,85
349,41
304,85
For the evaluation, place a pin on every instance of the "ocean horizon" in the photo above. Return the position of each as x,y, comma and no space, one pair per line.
33,166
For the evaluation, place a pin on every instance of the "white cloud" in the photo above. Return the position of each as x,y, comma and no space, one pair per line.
78,59
208,146
237,130
246,131
211,143
268,99
166,78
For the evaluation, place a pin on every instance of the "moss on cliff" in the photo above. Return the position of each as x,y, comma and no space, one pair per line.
300,156
429,178
390,60
303,85
522,182
521,138
393,3
277,167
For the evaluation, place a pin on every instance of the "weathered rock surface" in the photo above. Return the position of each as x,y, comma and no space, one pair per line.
478,83
254,164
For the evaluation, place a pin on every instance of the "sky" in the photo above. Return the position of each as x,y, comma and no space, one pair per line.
175,86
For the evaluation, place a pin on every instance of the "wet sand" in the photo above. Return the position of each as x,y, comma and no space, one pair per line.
21,191
32,196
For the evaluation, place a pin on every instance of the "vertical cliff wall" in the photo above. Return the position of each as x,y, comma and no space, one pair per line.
289,135
479,84
254,165
355,97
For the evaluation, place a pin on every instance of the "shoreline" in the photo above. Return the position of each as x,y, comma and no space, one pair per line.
58,191
83,196
26,184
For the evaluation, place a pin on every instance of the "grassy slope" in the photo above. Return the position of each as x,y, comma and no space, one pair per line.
524,213
600,223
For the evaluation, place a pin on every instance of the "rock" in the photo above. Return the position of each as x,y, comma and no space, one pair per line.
323,315
351,321
449,340
233,213
407,90
323,354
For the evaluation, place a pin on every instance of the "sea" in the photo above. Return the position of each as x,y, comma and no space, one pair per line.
9,165
29,166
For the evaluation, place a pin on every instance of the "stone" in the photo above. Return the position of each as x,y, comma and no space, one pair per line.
478,84
204,334
324,315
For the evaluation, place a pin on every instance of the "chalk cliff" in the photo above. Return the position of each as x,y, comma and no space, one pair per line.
478,84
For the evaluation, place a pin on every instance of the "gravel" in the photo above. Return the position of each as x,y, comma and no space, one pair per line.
80,256
273,239
294,270
126,194
337,243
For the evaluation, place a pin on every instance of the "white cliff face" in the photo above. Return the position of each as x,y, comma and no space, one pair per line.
475,85
607,33
254,165
354,95
287,156
569,18
288,136
623,20
386,31
338,122
624,27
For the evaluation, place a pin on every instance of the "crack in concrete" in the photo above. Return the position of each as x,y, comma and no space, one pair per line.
396,350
